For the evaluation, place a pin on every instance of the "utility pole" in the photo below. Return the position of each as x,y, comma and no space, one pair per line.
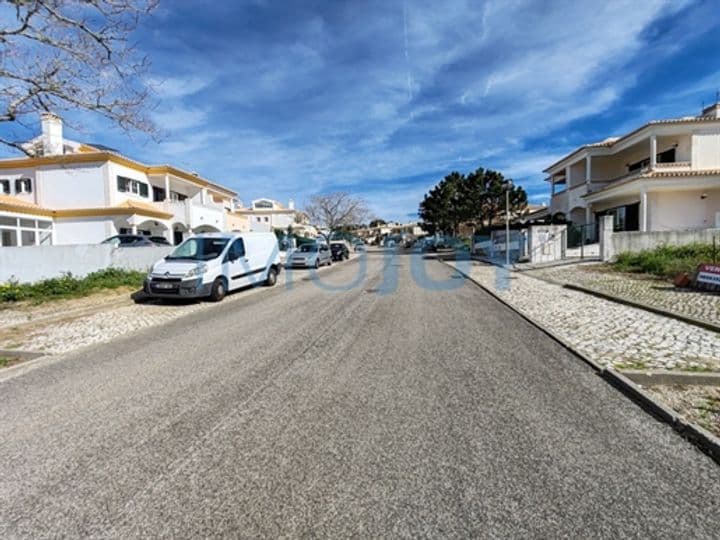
508,187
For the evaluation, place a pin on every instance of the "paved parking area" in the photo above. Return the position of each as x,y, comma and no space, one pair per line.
611,334
645,289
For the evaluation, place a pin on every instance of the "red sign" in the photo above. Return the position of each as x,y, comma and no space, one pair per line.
709,274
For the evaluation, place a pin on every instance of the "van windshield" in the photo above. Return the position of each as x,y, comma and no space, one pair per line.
199,249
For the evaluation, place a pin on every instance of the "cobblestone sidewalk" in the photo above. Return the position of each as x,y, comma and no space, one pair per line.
609,333
639,288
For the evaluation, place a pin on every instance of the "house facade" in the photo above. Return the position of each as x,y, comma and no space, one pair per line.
266,215
73,193
664,175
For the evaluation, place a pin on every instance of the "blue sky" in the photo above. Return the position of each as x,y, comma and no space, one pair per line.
287,99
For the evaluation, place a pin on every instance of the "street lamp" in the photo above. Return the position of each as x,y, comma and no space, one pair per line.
508,188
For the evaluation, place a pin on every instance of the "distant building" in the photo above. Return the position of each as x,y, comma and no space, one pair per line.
73,193
664,175
268,215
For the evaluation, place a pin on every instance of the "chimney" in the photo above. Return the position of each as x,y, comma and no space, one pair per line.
52,134
291,204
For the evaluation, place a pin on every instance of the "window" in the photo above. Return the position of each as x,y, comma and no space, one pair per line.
236,251
8,237
25,231
5,186
128,185
23,185
158,194
177,197
28,238
266,220
258,219
263,204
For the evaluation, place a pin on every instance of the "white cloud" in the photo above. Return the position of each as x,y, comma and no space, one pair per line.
179,87
331,104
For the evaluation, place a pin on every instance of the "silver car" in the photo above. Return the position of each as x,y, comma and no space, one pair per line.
310,256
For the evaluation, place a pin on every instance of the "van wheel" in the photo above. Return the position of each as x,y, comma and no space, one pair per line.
218,290
271,277
317,264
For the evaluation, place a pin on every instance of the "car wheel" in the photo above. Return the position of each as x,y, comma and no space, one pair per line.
271,277
218,290
317,263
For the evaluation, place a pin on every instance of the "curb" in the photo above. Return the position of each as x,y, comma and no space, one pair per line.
702,439
632,303
668,377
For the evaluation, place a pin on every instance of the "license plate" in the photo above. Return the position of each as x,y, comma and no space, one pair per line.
164,285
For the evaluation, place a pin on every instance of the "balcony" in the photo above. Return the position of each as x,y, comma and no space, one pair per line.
194,214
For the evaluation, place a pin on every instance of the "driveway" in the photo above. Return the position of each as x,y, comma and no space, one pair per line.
384,409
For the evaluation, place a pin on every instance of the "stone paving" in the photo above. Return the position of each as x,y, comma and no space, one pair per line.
645,289
59,336
609,333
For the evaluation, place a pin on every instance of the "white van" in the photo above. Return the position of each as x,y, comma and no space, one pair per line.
215,263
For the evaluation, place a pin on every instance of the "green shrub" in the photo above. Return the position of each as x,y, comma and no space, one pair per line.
665,261
69,286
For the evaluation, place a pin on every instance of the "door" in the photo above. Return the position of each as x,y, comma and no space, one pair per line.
324,255
237,264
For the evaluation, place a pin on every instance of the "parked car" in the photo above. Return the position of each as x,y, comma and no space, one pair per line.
310,255
129,240
160,240
215,263
359,246
339,251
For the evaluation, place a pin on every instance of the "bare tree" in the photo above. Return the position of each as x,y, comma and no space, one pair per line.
61,55
336,210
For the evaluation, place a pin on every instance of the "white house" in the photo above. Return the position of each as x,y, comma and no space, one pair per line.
664,175
268,215
72,193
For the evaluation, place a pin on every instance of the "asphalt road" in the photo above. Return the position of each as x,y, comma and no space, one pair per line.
388,409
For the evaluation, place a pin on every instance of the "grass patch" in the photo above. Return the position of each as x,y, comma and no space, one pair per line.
665,261
630,364
69,286
7,361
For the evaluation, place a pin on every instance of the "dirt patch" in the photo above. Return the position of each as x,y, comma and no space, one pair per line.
698,404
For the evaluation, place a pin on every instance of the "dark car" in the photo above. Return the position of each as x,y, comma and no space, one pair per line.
339,251
159,240
133,240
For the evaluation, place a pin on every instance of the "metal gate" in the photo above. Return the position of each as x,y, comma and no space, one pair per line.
581,240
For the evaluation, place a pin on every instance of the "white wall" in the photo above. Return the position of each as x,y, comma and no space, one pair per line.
546,243
682,210
12,175
72,186
706,150
30,264
637,241
116,197
79,230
